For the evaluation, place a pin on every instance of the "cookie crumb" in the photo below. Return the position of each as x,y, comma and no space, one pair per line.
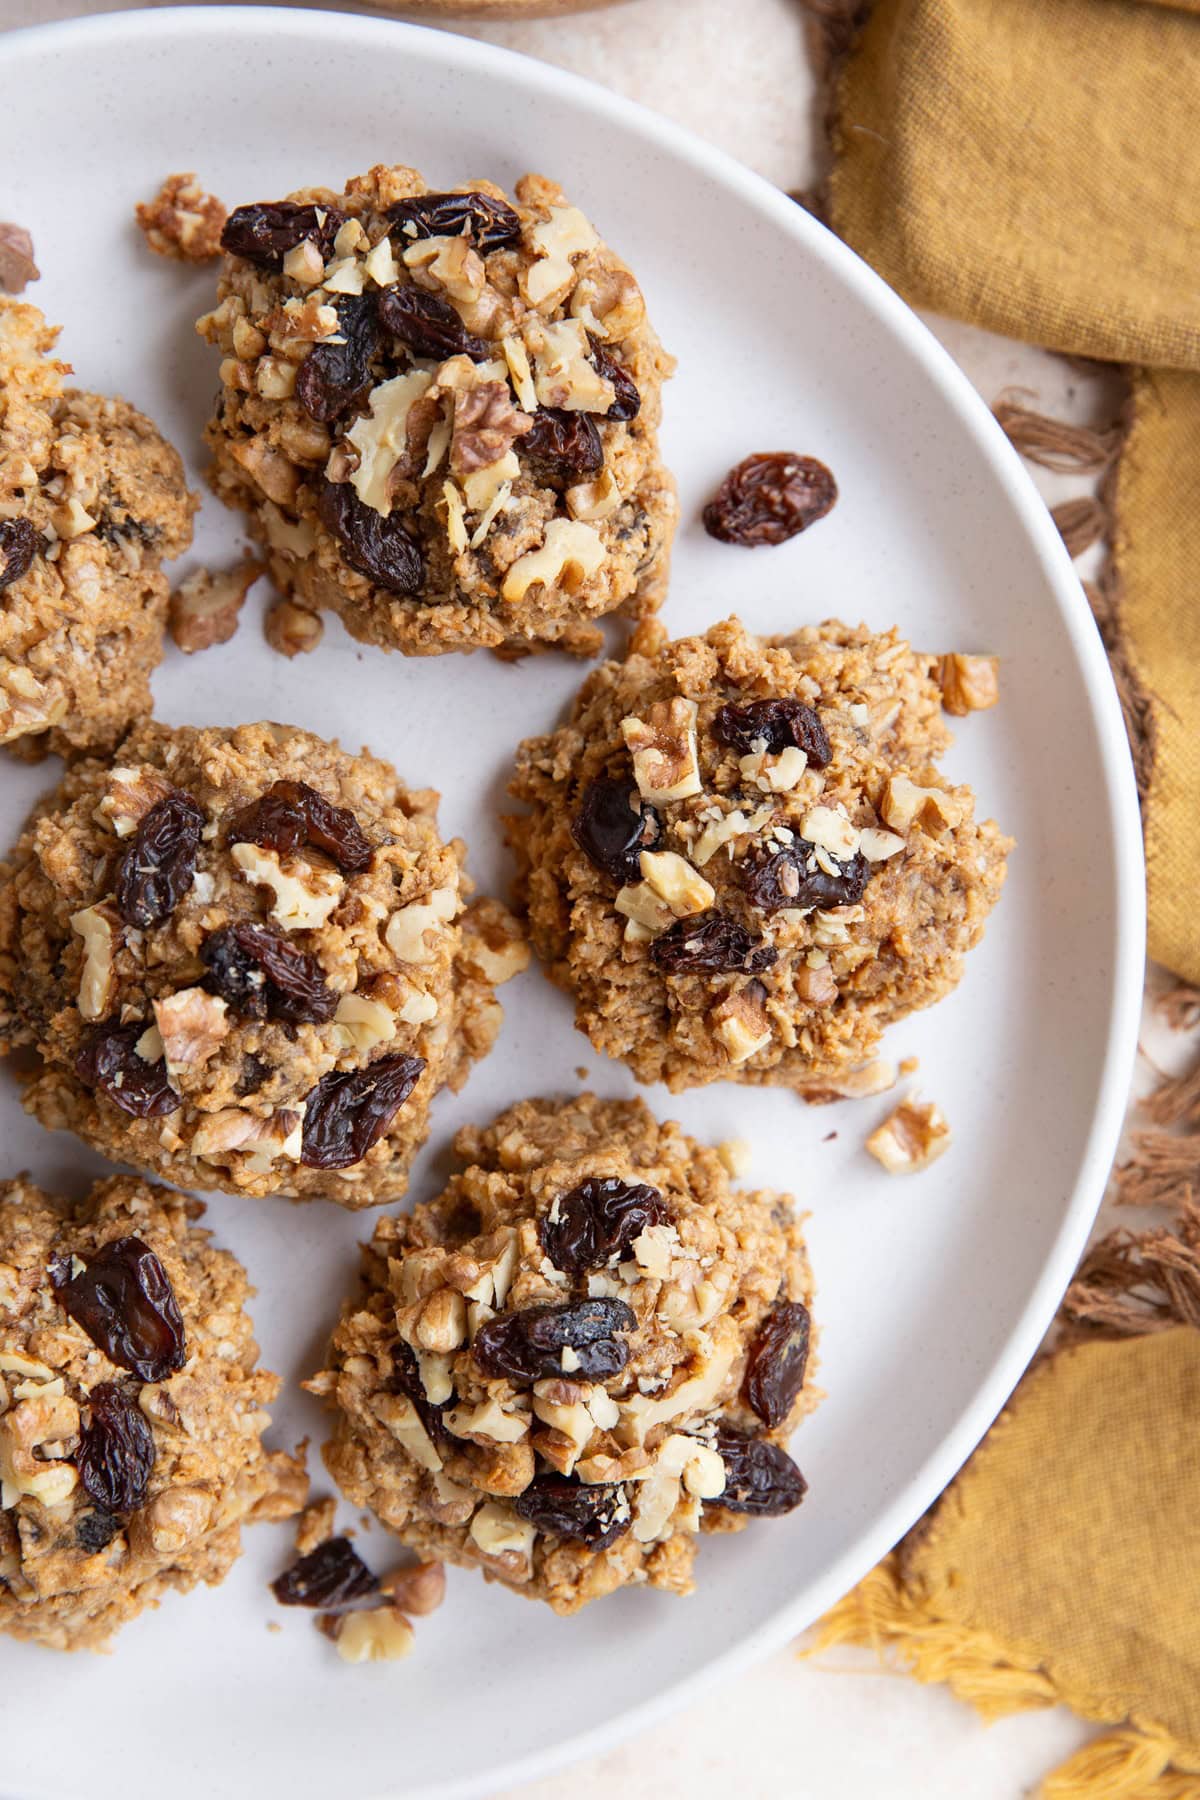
315,1525
909,1065
968,683
182,222
204,609
910,1138
17,267
581,1074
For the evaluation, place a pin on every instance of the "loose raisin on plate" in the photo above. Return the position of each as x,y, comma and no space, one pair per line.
598,1220
785,879
261,975
349,1110
528,1345
711,941
95,1531
19,543
291,816
777,724
562,446
428,325
333,1576
109,1062
265,232
115,1458
488,223
760,1478
777,1362
156,870
377,547
332,376
593,1514
768,498
124,1300
627,402
613,826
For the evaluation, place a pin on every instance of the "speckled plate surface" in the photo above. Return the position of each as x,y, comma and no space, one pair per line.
932,1294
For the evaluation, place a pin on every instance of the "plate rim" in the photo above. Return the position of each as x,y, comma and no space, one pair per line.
895,317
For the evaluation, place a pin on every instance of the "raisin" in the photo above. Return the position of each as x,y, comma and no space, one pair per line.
785,879
768,498
95,1531
711,940
528,1345
760,1478
598,1220
19,544
115,1458
627,402
613,826
562,446
332,376
428,325
594,1515
333,1576
775,1371
776,723
349,1110
406,1380
156,870
254,1072
264,233
292,816
488,223
124,1300
377,547
109,1061
260,975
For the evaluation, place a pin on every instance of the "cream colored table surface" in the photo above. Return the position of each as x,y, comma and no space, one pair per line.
735,71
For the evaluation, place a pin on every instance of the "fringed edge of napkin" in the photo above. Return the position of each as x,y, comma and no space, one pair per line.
1128,1284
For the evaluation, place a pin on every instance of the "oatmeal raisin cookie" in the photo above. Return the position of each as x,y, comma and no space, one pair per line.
131,1410
241,960
92,500
440,412
740,856
589,1348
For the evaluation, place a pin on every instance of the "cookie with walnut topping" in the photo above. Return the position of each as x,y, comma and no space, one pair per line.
440,411
588,1349
92,500
246,960
741,859
131,1410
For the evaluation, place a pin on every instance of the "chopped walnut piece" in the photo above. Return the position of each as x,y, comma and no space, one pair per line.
741,1024
910,1138
968,683
17,267
381,1635
182,221
130,795
816,986
204,609
292,630
95,925
486,426
571,553
904,804
192,1025
675,882
663,747
856,1084
493,943
417,1588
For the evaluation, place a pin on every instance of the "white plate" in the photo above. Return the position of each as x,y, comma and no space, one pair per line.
932,1293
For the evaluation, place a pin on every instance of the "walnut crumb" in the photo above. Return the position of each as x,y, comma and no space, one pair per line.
416,1588
292,630
182,221
204,609
17,267
910,1138
968,683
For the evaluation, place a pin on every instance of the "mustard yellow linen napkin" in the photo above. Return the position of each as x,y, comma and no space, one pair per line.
1033,166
